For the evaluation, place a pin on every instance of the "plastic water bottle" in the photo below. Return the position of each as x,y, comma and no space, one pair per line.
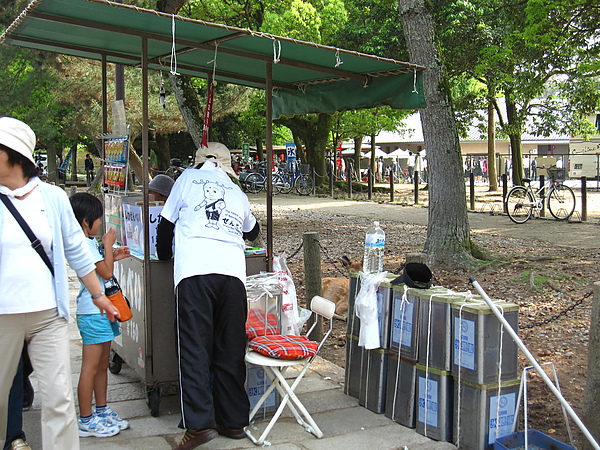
374,247
110,287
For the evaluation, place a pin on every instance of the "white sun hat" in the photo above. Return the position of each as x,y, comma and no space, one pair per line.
17,136
217,153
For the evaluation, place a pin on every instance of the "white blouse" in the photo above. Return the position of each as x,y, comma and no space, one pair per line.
26,282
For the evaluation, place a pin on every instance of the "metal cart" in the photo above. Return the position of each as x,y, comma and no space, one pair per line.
147,342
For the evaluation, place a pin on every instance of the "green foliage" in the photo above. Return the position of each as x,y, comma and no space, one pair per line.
296,19
540,55
368,122
374,27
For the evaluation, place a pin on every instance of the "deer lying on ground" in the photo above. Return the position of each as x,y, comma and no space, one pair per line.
336,288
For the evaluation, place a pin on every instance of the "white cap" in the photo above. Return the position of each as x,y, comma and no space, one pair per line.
219,154
17,136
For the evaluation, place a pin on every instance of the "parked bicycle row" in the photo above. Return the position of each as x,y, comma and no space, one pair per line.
284,180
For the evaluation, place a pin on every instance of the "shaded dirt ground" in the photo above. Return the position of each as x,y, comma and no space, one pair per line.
551,284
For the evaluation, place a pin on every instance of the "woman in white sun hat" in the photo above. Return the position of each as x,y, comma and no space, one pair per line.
34,289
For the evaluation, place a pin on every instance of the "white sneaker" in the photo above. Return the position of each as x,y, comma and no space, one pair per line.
112,418
96,427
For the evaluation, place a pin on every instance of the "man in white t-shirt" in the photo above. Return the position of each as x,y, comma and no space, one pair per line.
210,217
411,165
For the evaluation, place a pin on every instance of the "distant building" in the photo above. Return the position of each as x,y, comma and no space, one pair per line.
475,144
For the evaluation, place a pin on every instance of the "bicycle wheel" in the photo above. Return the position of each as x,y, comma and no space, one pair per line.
172,172
279,184
561,202
519,204
304,185
254,183
285,184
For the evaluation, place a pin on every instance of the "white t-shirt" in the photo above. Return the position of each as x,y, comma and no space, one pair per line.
210,213
26,284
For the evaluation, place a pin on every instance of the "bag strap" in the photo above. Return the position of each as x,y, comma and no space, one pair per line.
35,242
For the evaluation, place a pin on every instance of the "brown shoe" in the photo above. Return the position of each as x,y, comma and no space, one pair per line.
232,433
19,444
194,438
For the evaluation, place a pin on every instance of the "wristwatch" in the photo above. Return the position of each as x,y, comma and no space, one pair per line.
95,296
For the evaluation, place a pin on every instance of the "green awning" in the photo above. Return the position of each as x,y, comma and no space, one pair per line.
402,91
307,77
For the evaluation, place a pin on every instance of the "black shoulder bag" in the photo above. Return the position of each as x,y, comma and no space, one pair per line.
35,242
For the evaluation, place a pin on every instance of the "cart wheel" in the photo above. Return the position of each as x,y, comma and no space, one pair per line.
116,363
154,400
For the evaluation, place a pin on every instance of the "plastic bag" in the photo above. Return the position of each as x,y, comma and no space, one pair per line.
290,317
365,308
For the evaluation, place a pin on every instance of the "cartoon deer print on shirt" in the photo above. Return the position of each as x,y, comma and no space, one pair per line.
213,203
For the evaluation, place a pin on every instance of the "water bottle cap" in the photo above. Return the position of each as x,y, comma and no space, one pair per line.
376,223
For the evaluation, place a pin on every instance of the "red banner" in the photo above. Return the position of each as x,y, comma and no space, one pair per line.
207,116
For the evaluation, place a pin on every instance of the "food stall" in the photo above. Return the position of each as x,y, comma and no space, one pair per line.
147,342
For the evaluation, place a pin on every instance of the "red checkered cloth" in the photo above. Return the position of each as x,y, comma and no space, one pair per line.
260,324
284,347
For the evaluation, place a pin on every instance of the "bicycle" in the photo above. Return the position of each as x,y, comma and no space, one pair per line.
522,201
176,167
255,181
284,182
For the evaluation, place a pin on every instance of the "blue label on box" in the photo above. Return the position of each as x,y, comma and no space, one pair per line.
403,322
258,381
502,416
464,343
428,401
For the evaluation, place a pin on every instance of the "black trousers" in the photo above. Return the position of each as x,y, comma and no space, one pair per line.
211,336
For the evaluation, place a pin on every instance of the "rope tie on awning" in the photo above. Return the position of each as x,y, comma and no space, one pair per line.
338,60
214,61
276,51
173,70
414,91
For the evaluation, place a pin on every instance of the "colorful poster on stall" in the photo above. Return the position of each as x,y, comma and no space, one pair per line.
133,235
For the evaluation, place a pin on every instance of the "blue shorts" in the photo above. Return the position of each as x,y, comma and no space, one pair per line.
96,329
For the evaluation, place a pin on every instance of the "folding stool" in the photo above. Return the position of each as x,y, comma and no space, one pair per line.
275,367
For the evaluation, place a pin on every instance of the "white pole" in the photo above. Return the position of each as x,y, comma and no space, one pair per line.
534,363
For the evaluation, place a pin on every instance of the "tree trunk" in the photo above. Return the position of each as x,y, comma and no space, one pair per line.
162,148
491,159
189,106
591,405
259,149
373,161
135,162
313,130
357,155
74,163
51,163
448,240
514,135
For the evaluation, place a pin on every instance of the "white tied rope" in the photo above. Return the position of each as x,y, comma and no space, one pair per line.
264,285
338,60
276,51
173,70
403,305
214,62
468,297
414,91
498,303
448,292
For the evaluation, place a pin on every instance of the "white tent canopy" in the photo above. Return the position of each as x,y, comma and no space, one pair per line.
378,153
399,153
